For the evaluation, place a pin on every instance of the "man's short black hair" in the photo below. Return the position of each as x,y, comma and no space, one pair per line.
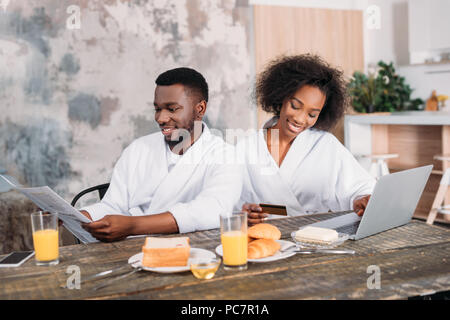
191,79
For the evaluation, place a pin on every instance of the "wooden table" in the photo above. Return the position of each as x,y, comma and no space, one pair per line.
414,259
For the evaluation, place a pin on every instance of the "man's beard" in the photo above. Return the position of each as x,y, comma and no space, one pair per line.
183,138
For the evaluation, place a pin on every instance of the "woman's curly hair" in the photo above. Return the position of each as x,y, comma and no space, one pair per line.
286,74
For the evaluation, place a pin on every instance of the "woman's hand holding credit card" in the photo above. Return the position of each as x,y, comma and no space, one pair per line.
258,213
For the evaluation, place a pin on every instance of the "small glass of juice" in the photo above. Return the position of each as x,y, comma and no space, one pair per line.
45,238
204,268
233,236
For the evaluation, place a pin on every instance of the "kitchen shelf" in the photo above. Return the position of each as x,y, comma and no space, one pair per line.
430,63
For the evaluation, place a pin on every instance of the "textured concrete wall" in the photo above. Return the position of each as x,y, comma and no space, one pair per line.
73,98
15,222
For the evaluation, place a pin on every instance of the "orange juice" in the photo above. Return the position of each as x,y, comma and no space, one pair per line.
234,246
46,244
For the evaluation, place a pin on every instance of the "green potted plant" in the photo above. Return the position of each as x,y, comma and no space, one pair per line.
381,91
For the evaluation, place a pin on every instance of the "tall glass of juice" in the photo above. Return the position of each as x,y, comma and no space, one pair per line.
45,238
233,235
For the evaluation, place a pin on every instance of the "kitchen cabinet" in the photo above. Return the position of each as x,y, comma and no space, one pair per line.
429,29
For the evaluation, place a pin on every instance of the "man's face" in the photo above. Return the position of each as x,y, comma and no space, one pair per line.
176,110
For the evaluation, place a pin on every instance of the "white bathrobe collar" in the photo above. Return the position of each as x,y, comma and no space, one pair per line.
300,147
183,169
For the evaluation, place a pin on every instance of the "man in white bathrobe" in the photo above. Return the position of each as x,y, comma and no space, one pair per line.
174,180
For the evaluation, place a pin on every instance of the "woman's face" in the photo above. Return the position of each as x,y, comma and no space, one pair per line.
300,111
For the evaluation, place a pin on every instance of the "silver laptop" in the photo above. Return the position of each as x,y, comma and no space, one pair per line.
392,204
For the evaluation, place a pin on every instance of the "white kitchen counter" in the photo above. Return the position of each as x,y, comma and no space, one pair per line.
359,134
358,128
406,117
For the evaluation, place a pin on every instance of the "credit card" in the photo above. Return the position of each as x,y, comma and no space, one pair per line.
273,209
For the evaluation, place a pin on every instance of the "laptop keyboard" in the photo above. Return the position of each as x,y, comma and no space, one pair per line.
349,228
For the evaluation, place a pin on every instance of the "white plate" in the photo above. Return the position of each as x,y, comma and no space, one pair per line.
193,253
277,256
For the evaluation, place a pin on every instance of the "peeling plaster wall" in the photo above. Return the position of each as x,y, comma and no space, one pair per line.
72,99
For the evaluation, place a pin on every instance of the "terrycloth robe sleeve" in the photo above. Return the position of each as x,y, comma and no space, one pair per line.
352,179
116,199
221,190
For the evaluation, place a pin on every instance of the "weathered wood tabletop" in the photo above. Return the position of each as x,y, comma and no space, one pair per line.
413,260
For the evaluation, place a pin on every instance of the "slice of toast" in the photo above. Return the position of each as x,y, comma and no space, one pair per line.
165,252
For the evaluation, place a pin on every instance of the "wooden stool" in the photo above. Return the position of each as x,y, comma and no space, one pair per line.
442,157
379,166
442,193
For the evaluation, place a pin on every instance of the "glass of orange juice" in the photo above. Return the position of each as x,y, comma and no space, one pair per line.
233,235
45,238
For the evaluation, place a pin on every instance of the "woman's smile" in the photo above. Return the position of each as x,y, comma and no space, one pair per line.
294,127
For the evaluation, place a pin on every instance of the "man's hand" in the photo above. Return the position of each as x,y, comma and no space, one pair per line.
86,214
254,213
83,212
110,228
360,204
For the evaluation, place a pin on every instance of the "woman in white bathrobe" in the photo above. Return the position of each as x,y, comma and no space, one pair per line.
294,161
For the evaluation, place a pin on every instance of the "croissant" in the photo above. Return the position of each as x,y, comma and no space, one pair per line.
262,248
264,231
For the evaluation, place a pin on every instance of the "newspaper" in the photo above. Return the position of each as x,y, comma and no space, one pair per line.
48,200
